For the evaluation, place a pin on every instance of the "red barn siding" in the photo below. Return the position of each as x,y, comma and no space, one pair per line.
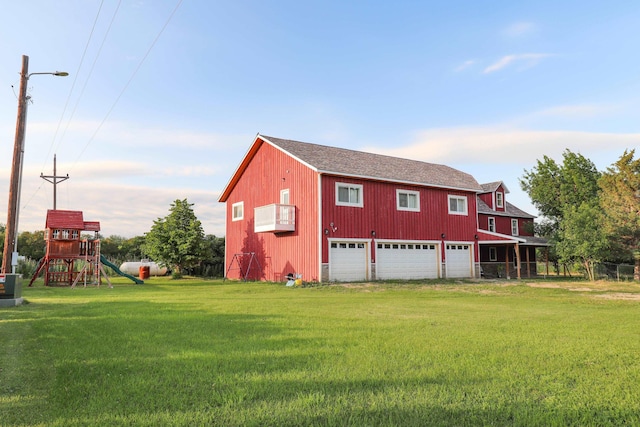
488,199
503,224
380,214
270,171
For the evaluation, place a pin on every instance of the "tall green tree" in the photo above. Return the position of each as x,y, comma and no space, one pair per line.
620,201
177,240
553,188
584,239
565,191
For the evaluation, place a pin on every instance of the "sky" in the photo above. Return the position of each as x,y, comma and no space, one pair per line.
164,97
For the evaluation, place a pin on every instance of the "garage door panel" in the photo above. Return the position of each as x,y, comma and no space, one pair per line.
348,261
405,260
458,260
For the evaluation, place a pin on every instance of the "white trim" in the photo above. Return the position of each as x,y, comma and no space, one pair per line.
400,191
458,197
283,192
233,211
489,219
320,230
495,253
507,238
399,181
359,187
515,227
501,204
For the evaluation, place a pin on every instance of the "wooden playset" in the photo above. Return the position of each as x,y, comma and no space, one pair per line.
70,256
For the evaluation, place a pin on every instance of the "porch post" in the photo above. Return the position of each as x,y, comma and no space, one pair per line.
528,263
506,261
518,261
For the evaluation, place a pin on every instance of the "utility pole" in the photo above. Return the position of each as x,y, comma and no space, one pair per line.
10,255
54,179
10,236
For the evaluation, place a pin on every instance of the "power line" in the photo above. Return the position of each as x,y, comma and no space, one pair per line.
104,39
75,79
126,86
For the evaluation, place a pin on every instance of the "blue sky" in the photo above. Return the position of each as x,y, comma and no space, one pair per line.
165,97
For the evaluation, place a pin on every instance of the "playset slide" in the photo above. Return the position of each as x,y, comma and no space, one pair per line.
117,270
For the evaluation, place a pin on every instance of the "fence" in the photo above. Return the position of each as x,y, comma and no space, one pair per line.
603,271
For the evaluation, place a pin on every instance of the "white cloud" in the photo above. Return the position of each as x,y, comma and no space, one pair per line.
513,146
519,29
464,65
526,60
125,210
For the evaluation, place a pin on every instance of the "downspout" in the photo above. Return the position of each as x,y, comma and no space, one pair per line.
320,233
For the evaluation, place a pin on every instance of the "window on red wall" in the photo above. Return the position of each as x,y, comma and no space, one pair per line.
457,205
499,200
514,227
349,195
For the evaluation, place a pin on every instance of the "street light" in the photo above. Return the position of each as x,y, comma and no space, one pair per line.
11,237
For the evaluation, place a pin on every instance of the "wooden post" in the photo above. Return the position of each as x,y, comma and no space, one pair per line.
506,261
11,232
518,261
528,263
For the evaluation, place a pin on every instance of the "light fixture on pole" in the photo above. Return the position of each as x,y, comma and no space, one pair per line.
10,254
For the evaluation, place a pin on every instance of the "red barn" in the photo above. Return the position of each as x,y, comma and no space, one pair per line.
332,214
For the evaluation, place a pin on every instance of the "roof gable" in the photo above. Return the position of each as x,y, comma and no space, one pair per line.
65,219
509,210
492,187
344,162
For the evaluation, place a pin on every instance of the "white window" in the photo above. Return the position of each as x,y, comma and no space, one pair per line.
408,200
349,195
499,199
238,211
492,224
493,254
284,197
284,210
514,227
457,205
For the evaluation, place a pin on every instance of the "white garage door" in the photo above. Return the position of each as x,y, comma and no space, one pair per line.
405,260
348,261
458,260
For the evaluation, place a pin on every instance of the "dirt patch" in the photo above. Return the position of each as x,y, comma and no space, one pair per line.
620,296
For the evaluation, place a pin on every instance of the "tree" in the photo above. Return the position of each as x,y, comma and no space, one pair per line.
620,201
32,245
583,237
559,192
177,240
553,188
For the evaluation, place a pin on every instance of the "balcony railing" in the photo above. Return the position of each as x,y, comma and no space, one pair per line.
276,218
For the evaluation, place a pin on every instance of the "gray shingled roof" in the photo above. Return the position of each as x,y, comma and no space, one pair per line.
490,187
510,210
341,161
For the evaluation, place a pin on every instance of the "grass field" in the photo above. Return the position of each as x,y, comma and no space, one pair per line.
192,352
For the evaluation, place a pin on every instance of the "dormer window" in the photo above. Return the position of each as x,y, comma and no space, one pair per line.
499,199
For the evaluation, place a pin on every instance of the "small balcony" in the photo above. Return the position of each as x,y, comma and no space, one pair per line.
275,218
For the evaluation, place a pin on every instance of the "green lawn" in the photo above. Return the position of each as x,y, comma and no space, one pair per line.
194,352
